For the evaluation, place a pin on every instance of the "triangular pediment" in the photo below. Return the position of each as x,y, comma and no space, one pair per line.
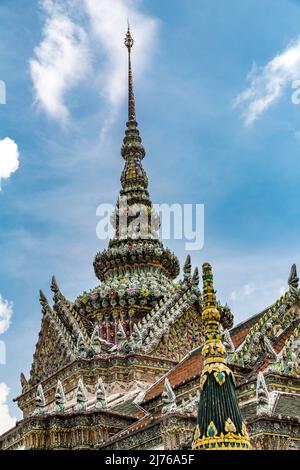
52,352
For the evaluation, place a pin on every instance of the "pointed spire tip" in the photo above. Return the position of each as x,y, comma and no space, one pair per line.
128,38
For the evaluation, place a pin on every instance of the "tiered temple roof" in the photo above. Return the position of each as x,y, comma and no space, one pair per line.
120,367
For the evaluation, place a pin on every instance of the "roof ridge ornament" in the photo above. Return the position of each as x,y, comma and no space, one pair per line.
195,277
168,398
293,280
96,340
187,268
54,286
40,402
44,302
60,397
81,396
101,402
24,382
262,395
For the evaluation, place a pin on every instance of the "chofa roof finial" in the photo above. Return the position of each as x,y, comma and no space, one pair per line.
293,280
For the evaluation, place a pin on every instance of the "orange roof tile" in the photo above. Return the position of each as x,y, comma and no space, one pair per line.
239,337
189,367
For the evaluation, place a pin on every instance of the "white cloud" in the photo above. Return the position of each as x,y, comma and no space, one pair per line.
233,296
9,158
267,83
265,270
61,59
76,30
6,421
245,291
248,289
6,311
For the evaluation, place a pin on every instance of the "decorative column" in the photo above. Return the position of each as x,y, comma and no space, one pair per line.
219,425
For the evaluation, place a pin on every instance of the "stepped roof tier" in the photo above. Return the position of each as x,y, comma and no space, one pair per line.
136,270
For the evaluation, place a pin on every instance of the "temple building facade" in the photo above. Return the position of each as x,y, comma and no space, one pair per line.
149,358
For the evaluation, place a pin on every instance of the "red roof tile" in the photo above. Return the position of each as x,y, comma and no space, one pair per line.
239,336
188,368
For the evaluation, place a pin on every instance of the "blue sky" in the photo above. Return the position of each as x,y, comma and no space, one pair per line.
192,60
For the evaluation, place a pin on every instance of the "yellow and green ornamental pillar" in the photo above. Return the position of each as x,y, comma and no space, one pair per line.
220,424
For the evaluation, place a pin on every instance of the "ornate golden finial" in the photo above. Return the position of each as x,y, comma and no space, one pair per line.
128,38
131,102
220,424
209,295
213,349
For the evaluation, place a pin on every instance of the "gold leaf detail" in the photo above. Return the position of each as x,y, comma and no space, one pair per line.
229,426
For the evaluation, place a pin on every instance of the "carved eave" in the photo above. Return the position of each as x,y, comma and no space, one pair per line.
285,359
46,427
67,313
112,368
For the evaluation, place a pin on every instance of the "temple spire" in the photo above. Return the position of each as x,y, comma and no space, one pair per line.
220,424
131,102
132,148
134,220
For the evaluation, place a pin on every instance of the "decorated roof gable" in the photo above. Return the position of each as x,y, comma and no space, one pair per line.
268,328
